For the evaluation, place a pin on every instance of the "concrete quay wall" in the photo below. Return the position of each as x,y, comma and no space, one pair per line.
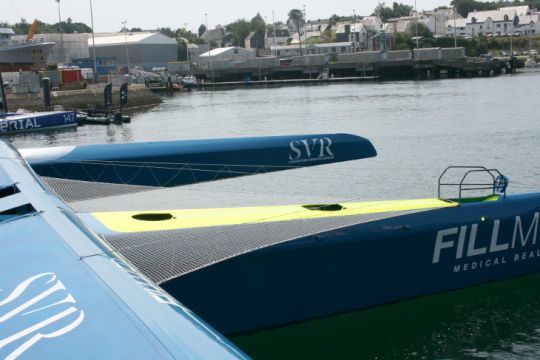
138,96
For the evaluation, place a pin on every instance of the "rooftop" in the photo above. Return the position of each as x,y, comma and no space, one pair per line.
6,31
132,38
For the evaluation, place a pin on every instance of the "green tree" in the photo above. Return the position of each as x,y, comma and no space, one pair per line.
423,30
167,32
257,24
296,17
334,19
464,7
183,33
239,30
202,30
22,27
397,10
404,41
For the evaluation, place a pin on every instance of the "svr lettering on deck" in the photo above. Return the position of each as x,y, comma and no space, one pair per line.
455,240
54,309
307,150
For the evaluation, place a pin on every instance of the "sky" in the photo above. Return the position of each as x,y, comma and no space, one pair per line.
151,14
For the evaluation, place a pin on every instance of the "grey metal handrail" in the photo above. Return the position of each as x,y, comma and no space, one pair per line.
498,181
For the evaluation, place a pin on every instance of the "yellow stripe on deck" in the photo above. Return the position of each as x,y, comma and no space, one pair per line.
124,221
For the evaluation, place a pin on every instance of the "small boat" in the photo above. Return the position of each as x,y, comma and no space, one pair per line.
189,82
104,118
36,121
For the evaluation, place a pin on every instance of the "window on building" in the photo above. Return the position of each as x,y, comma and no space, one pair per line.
236,51
333,49
498,25
278,53
343,49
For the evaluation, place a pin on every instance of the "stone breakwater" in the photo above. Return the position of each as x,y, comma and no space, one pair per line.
139,96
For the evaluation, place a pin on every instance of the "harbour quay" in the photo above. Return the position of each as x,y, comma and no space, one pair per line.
88,98
423,63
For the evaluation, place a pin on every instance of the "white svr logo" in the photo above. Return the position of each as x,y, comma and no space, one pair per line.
32,335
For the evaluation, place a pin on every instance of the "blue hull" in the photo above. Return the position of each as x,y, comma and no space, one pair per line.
174,163
365,265
13,123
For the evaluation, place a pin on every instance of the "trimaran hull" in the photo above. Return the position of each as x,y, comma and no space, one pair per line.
326,259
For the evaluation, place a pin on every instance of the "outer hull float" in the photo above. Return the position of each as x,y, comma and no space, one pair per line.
367,264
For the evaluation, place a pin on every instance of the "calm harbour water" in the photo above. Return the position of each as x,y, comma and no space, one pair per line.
419,128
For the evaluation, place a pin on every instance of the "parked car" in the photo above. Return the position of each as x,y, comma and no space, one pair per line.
487,57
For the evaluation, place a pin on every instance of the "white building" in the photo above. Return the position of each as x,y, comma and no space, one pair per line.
322,49
145,49
277,37
460,26
438,19
232,53
528,24
502,22
373,24
354,32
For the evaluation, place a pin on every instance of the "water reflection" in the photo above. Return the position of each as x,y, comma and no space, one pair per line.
495,321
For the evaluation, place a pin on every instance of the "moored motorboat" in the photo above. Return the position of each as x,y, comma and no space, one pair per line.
189,82
104,118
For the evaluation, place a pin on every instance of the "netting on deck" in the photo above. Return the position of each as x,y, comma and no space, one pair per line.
164,255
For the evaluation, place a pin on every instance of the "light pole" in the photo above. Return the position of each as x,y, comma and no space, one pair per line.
61,36
187,47
126,44
209,49
455,30
274,24
354,36
93,42
530,33
416,15
435,28
305,30
206,25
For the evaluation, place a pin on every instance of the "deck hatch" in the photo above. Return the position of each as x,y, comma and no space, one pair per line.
8,190
325,207
16,212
